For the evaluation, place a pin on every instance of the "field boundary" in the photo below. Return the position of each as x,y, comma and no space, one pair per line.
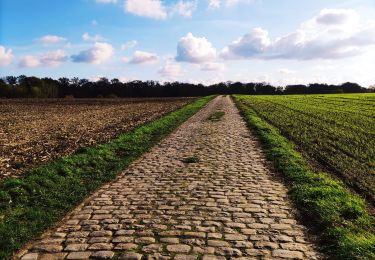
33,203
346,230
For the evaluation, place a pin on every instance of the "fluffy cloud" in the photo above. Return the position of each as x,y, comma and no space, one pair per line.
6,56
48,39
184,8
195,49
53,58
333,34
98,54
214,4
106,1
213,66
234,2
170,70
29,61
147,8
248,45
337,17
95,38
156,9
129,45
142,57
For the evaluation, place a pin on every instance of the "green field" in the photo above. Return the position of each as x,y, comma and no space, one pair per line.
339,217
337,131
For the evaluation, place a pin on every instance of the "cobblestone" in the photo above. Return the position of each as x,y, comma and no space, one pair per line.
79,255
228,204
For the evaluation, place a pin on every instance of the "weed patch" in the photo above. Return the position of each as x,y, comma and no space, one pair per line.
192,159
216,116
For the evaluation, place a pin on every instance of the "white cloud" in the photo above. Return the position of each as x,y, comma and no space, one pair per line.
95,38
248,45
157,9
343,21
53,58
170,70
142,57
232,2
337,17
106,1
215,4
29,61
49,59
49,39
195,49
213,66
6,56
129,45
146,8
184,8
95,78
98,54
333,34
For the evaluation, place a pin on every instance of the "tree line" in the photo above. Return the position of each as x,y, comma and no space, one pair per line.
34,87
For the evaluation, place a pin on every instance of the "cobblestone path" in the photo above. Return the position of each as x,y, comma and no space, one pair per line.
205,192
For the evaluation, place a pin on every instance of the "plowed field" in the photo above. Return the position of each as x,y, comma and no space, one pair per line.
35,131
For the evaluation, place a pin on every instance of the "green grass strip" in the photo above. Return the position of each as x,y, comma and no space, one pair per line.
345,228
31,204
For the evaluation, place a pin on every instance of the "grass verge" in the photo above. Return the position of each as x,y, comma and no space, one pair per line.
31,204
345,228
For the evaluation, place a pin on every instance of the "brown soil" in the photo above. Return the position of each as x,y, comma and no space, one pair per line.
33,132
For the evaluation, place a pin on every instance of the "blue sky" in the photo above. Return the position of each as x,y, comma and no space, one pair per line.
281,42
